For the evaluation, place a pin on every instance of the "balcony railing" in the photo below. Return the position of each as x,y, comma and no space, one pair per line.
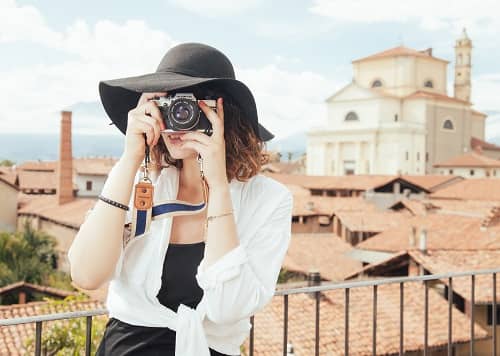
346,286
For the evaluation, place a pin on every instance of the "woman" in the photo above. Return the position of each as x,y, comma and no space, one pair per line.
189,284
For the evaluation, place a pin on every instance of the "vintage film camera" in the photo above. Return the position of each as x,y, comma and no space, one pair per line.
181,112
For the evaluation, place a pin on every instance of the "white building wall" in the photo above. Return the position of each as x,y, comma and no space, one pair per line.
97,185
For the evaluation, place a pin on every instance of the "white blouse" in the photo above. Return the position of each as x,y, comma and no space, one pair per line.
236,286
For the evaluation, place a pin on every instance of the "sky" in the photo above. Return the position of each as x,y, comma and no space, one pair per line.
291,54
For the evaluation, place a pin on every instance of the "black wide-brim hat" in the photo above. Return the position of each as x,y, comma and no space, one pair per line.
183,66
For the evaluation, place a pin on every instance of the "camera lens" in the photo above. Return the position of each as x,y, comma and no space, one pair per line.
183,114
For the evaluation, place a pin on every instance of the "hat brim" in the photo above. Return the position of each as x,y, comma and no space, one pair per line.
119,96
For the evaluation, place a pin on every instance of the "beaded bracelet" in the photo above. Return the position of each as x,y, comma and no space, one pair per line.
114,203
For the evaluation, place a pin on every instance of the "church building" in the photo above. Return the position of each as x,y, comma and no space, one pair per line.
396,117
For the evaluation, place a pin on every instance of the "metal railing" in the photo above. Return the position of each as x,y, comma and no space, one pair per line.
346,286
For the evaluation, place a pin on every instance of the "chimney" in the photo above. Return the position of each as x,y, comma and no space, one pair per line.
423,240
65,163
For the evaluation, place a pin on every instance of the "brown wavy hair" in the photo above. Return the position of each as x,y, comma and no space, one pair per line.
245,152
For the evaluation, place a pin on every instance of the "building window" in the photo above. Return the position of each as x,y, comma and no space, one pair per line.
427,156
471,172
349,167
89,185
407,157
448,124
395,117
377,83
418,156
429,84
490,314
351,116
451,171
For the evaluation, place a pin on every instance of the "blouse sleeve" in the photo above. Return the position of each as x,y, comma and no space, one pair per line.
243,281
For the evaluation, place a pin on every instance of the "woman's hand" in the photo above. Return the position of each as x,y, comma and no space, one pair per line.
145,118
211,148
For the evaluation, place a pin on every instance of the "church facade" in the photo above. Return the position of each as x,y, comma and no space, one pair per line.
396,117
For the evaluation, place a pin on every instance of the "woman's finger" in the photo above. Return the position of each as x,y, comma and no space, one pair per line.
148,96
198,147
144,127
151,109
218,130
154,124
196,136
220,109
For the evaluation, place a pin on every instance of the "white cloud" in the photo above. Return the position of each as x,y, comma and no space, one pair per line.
24,23
215,8
288,102
104,51
430,14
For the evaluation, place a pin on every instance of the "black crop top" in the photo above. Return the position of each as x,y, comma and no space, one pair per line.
178,286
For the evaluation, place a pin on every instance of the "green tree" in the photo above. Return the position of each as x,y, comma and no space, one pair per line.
28,256
66,337
7,163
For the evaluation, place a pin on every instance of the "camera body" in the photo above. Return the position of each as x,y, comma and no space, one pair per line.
181,112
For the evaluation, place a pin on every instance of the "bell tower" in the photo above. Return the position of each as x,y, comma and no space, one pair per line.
463,65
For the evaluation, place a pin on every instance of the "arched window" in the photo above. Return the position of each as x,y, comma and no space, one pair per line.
351,116
459,59
429,84
377,83
448,124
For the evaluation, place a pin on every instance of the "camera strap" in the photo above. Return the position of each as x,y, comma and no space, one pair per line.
145,209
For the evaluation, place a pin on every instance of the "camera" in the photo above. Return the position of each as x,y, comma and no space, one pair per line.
181,112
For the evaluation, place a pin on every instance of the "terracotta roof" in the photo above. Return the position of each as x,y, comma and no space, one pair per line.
415,207
36,288
431,182
47,206
83,166
444,232
320,205
358,182
40,166
399,52
420,94
475,141
478,113
474,189
282,167
94,166
371,221
297,190
477,208
12,337
325,253
268,332
470,159
8,174
461,261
